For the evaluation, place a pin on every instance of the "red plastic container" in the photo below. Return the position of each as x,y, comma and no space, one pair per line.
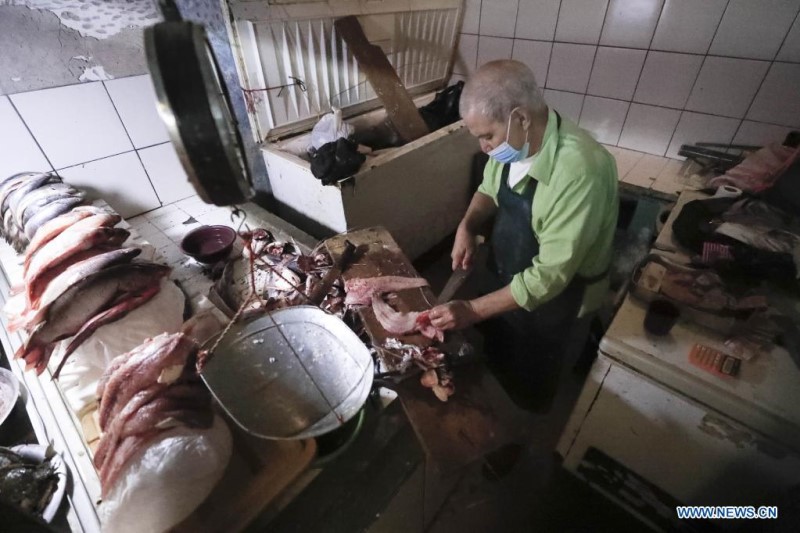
209,244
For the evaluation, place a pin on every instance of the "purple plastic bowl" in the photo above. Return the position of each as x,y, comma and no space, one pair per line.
209,244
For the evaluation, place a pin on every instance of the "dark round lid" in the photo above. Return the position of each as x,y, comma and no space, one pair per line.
194,105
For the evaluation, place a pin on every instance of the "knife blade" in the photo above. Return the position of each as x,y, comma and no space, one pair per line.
456,280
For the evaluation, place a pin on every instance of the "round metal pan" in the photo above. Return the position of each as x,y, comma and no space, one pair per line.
298,374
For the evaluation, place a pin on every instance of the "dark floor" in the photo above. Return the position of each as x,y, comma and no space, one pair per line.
537,495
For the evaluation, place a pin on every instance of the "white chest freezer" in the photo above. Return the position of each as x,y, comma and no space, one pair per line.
294,68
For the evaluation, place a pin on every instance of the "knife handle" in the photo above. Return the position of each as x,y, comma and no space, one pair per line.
339,266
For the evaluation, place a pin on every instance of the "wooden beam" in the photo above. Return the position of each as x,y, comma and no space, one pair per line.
400,108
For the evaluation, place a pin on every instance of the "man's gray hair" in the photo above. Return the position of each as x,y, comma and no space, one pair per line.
497,87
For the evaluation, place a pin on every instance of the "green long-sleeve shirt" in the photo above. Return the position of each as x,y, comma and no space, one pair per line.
574,214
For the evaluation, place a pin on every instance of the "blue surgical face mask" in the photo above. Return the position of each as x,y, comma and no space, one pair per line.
505,153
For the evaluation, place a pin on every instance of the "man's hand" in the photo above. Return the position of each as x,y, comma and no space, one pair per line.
463,249
457,314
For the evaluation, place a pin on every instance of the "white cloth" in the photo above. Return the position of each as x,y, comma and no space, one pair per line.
519,169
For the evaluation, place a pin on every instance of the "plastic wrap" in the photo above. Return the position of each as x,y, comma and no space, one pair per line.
167,480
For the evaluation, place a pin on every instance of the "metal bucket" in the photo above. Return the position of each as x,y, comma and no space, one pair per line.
297,374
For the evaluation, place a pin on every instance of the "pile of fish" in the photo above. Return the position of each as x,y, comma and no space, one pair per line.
25,484
143,393
281,275
77,278
29,200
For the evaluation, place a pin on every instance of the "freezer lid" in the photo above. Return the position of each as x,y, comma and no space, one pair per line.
194,106
294,67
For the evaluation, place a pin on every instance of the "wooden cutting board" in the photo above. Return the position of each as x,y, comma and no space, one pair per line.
479,417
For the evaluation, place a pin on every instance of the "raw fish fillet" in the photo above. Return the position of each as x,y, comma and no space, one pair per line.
398,323
359,291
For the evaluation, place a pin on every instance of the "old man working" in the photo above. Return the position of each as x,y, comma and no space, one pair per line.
550,191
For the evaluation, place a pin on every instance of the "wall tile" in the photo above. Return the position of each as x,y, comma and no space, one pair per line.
19,151
646,170
570,66
537,19
603,118
630,24
467,54
568,104
166,173
778,100
581,21
615,72
135,101
535,54
759,134
491,48
626,159
648,129
688,25
472,16
696,127
498,18
726,86
667,79
119,180
73,124
790,51
754,30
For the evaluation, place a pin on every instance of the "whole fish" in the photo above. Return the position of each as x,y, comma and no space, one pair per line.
41,203
34,313
52,228
30,185
49,212
83,301
12,184
50,190
107,238
69,239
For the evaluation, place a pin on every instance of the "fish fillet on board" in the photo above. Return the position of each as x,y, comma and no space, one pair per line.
49,212
359,291
398,323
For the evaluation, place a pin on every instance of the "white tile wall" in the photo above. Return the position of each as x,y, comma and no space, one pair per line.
790,51
135,101
581,21
603,118
777,100
726,86
535,54
724,68
754,30
568,104
570,67
688,25
491,48
630,24
166,173
472,16
648,128
498,18
105,137
73,124
758,134
536,19
466,55
18,150
696,127
615,72
119,180
667,79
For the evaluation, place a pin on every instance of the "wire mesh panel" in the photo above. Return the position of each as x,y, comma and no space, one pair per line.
295,69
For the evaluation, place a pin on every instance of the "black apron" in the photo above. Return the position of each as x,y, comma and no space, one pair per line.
526,348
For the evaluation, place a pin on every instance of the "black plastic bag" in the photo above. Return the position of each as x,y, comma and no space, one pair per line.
443,110
336,161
